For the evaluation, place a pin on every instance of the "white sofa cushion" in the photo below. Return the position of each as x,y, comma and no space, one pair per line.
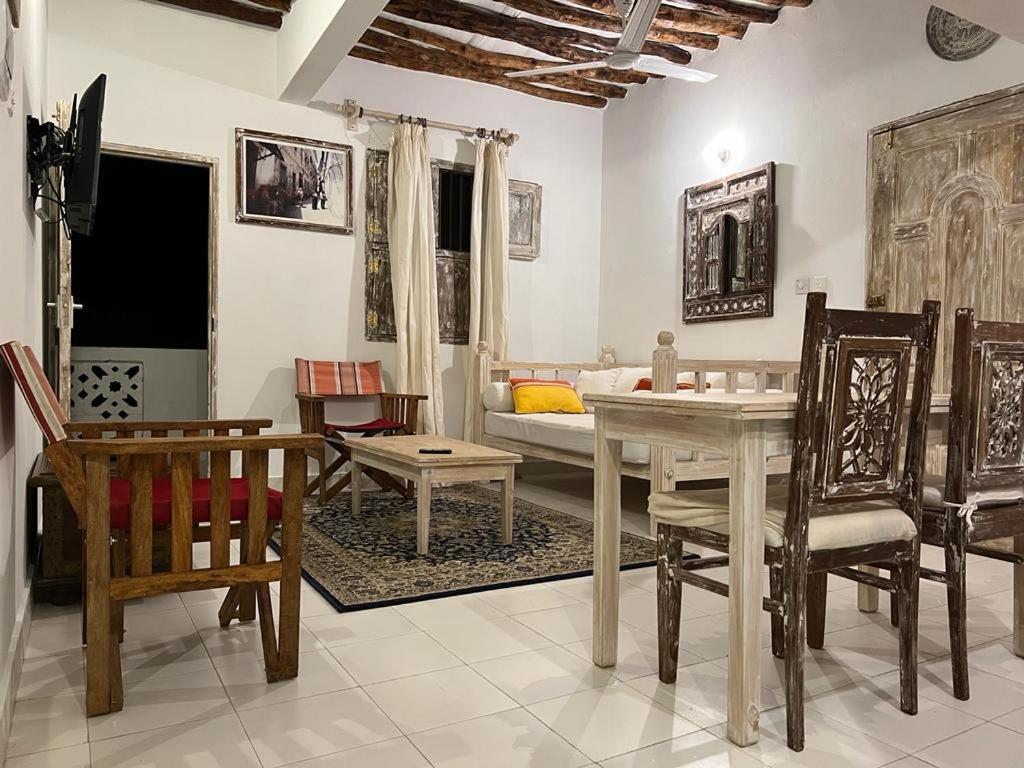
570,432
596,383
934,494
629,377
846,525
497,397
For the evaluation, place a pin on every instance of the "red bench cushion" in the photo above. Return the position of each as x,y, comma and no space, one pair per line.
121,501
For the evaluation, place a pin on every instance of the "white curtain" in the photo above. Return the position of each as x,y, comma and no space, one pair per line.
413,276
488,263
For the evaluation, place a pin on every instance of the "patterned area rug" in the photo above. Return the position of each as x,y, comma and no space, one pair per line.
371,560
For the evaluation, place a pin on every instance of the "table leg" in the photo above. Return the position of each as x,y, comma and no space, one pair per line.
508,499
357,487
607,522
1018,599
746,562
867,597
423,514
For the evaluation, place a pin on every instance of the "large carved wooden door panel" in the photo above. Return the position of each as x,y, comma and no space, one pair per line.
946,210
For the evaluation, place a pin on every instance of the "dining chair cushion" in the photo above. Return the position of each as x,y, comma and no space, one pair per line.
121,501
846,525
935,493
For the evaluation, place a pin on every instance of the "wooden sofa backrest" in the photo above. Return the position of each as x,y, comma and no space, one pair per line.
768,374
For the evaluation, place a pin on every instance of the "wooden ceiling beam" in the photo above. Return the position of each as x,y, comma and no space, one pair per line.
782,3
441,65
284,6
732,10
696,30
230,10
505,61
509,62
555,41
406,48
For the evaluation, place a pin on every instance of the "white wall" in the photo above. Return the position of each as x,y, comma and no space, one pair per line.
803,92
20,318
286,293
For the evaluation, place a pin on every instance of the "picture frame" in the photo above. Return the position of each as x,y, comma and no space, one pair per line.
293,182
524,220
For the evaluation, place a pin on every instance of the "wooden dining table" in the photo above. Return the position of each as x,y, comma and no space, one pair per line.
753,431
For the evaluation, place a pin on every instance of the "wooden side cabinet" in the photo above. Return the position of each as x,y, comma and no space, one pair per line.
59,568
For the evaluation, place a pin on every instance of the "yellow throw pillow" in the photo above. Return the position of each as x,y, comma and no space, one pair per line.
545,396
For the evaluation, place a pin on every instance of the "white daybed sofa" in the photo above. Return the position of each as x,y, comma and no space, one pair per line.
569,438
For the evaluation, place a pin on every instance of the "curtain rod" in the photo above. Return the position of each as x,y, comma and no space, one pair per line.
351,111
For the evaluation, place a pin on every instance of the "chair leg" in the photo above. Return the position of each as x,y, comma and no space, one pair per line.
795,586
116,634
778,623
246,592
907,592
956,600
322,463
894,609
670,601
817,597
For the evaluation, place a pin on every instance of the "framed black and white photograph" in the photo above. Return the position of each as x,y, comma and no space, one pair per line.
287,181
524,202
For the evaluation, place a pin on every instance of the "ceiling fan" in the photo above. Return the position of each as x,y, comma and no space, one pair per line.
639,20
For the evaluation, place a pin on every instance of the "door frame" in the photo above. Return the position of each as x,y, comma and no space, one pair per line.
211,164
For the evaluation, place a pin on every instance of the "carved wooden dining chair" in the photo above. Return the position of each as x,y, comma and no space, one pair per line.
849,500
981,498
317,380
128,491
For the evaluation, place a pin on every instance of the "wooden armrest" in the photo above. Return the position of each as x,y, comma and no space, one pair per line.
148,426
406,397
158,445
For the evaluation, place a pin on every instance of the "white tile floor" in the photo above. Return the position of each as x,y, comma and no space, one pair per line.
503,679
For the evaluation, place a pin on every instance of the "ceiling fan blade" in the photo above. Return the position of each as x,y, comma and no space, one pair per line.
652,65
557,69
638,25
623,6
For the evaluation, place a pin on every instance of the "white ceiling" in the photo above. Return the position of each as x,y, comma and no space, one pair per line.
1003,16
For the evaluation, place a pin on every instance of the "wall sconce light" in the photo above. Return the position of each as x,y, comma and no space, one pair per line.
724,156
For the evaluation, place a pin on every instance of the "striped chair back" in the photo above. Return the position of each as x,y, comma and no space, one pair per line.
332,379
32,382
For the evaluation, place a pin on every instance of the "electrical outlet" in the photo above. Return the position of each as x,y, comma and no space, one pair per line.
803,285
819,284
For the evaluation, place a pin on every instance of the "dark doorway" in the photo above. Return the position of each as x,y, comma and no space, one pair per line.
140,340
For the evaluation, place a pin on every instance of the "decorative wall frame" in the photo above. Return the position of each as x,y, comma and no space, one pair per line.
956,39
524,216
287,181
729,247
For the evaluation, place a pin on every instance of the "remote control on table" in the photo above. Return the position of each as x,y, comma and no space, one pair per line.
435,450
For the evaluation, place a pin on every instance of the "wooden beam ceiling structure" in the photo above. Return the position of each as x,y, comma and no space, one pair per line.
416,35
263,13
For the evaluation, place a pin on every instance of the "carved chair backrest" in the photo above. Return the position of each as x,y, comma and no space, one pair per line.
855,374
986,423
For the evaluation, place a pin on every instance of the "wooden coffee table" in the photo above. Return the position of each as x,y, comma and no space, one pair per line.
400,456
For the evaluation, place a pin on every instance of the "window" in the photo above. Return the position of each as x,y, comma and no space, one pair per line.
453,206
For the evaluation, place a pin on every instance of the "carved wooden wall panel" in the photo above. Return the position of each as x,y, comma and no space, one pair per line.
946,214
729,247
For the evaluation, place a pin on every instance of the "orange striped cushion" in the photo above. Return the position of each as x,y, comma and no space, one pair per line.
646,384
42,401
328,378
